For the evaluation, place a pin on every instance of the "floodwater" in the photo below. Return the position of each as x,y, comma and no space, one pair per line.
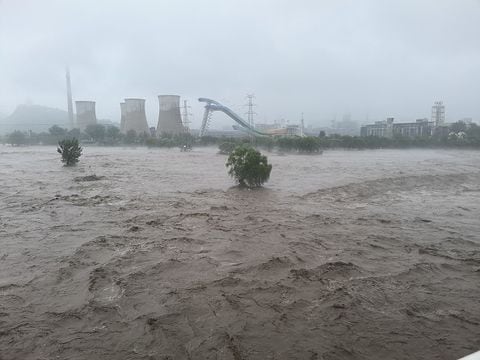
348,255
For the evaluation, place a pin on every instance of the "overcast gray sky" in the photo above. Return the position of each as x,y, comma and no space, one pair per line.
320,57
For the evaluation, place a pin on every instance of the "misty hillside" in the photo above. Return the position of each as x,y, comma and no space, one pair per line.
33,117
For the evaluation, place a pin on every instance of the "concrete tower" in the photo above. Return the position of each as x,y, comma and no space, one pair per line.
169,118
438,113
135,118
69,99
122,117
85,114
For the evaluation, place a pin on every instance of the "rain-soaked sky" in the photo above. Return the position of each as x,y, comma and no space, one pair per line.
325,58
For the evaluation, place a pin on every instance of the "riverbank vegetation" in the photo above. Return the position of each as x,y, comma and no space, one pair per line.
459,135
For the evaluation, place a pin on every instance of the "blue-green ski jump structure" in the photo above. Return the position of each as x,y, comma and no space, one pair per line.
212,105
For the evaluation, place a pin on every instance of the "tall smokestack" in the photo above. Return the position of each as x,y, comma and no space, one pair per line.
169,118
69,99
85,114
122,117
135,118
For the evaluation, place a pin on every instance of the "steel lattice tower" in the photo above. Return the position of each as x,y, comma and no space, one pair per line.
185,116
251,113
438,113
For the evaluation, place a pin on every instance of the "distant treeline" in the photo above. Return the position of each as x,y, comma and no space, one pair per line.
108,135
458,135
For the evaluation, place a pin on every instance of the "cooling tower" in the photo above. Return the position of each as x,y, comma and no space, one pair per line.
122,117
169,118
85,114
135,118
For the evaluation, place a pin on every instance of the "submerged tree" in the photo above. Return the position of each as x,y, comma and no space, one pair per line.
248,166
70,151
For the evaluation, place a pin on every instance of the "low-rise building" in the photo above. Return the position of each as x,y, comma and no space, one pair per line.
387,128
421,127
379,128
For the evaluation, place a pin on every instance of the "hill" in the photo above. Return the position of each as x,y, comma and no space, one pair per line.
33,117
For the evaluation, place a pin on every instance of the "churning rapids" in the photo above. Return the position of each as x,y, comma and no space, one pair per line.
348,255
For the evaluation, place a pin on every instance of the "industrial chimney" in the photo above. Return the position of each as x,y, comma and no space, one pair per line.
122,118
69,99
169,118
85,114
135,118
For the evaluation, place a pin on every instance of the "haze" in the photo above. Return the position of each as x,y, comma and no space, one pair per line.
323,58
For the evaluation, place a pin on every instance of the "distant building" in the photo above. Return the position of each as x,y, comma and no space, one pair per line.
279,130
236,132
344,127
422,127
267,127
379,128
467,120
438,113
386,128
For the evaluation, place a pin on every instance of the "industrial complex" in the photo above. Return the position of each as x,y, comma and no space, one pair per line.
173,121
421,127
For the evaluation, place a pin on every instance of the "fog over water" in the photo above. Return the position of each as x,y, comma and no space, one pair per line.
349,255
370,58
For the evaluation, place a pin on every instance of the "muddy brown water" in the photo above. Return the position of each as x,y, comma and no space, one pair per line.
348,255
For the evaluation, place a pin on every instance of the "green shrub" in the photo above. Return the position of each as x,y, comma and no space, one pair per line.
248,167
70,151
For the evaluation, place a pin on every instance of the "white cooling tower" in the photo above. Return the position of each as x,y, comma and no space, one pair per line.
169,118
135,118
85,114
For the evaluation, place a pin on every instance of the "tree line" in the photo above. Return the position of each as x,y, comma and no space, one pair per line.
458,135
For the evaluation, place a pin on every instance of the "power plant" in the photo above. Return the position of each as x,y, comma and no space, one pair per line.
169,118
134,115
85,114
